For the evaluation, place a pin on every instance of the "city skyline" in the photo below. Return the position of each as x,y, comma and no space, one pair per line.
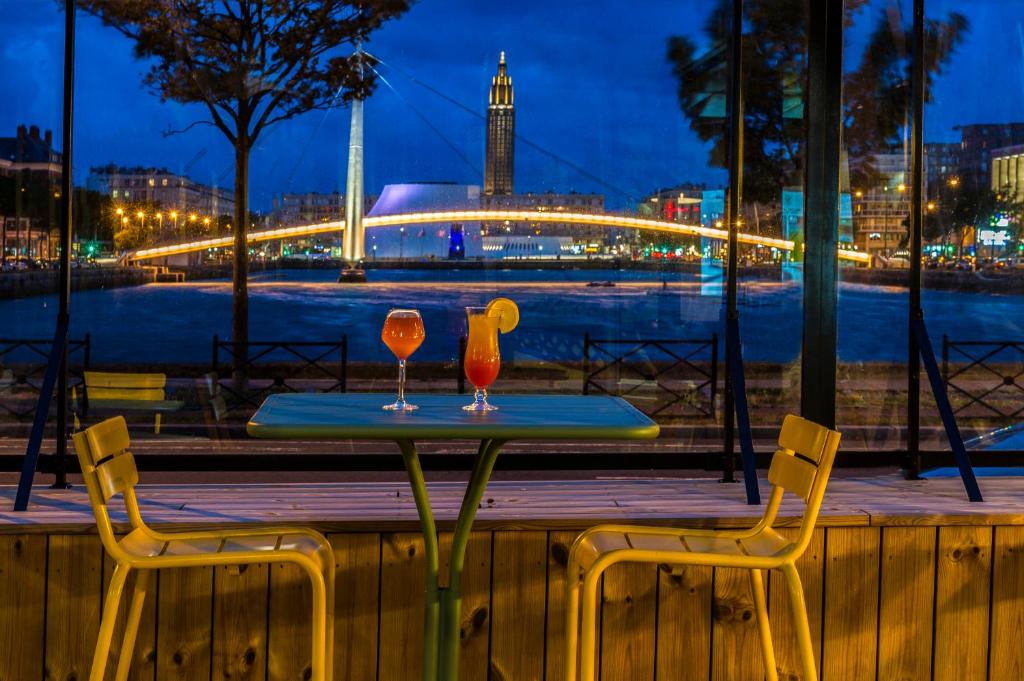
585,110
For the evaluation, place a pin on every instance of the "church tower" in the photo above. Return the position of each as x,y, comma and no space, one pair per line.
501,134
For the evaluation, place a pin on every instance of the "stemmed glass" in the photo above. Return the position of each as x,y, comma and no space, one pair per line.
403,333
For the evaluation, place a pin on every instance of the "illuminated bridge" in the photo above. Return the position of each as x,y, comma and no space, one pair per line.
435,217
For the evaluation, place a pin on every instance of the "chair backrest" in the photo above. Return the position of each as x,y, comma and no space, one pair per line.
119,386
108,469
802,466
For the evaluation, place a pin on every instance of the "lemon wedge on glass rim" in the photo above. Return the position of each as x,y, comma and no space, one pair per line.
506,311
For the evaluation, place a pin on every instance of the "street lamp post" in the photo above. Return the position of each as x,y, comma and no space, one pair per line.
174,216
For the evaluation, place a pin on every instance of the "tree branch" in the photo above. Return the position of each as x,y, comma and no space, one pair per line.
170,131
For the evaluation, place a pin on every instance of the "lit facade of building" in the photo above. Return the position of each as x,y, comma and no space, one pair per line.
160,186
879,212
1008,171
499,160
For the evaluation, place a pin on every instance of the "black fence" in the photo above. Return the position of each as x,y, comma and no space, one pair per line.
984,378
664,378
280,366
23,365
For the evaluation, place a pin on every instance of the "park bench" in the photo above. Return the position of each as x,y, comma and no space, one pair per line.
121,392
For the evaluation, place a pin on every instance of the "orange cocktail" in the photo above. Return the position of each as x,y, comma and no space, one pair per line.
403,333
482,360
482,357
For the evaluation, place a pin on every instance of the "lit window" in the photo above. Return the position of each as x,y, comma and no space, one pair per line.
113,194
152,182
163,182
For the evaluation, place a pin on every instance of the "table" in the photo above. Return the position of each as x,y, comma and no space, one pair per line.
346,416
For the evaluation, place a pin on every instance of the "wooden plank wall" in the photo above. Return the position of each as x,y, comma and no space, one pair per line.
897,602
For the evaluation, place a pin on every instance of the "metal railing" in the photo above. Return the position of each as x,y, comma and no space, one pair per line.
662,377
986,377
22,368
271,366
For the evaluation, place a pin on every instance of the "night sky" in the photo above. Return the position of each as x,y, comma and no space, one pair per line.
592,86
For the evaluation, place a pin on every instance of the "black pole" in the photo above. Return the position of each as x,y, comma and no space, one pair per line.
821,211
734,103
66,189
912,463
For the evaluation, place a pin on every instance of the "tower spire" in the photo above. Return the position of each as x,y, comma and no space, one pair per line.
501,120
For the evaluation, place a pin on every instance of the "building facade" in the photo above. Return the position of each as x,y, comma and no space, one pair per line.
521,237
160,186
977,142
941,164
28,152
308,208
880,212
499,159
30,230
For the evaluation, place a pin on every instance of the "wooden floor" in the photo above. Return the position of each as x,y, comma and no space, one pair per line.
904,580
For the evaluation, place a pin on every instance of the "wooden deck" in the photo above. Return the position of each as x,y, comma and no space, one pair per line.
905,580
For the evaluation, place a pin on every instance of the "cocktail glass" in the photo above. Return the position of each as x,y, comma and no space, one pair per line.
482,357
403,333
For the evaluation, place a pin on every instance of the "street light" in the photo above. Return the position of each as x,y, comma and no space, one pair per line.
142,220
174,216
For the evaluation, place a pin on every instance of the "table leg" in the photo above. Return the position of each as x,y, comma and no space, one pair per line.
432,608
451,598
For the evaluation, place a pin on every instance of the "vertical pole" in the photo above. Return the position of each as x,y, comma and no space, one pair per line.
821,210
66,188
353,243
734,103
714,373
344,363
586,362
912,461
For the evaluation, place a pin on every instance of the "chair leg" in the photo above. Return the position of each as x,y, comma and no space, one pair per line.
110,608
588,626
803,629
319,655
764,630
131,627
329,635
572,621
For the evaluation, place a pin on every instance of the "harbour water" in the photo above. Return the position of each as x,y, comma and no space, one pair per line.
175,322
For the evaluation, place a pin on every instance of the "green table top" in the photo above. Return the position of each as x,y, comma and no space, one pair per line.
345,416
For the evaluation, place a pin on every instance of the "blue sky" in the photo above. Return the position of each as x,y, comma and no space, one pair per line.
592,86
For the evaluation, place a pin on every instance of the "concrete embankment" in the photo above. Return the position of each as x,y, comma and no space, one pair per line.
1010,282
42,282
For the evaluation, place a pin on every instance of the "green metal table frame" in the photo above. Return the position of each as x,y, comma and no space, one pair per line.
359,416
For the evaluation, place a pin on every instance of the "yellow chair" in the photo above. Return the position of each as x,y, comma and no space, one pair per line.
109,469
801,465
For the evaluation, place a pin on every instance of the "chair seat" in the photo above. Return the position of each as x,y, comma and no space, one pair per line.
222,550
689,547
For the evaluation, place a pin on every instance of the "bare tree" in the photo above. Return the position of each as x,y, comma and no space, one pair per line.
251,63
